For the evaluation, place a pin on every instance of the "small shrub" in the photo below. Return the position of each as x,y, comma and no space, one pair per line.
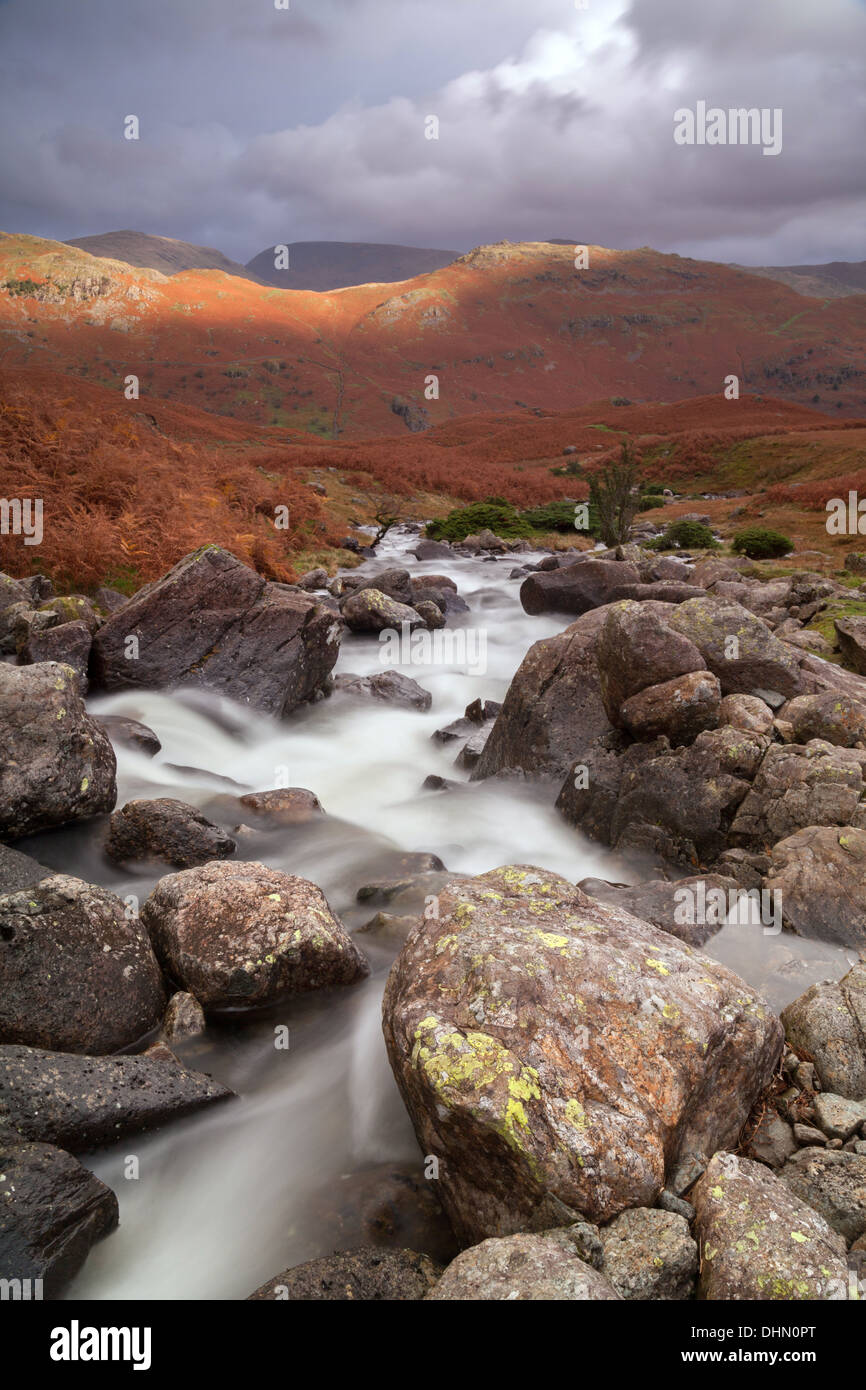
685,535
761,543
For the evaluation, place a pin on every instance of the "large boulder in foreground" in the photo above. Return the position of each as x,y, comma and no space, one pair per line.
553,711
81,1103
563,1059
77,975
828,1024
759,1240
242,936
52,1210
56,763
521,1268
213,622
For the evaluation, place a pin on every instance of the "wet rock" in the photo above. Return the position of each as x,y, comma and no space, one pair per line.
372,611
737,647
746,712
680,709
388,926
213,622
473,748
284,806
165,829
82,1103
693,908
577,588
77,975
52,1211
833,1183
649,1254
432,550
553,712
637,648
395,584
129,733
837,718
797,786
18,870
410,887
561,1057
837,1116
390,1205
56,764
241,936
524,1267
819,875
432,615
759,1240
388,686
828,1024
184,1017
366,1275
69,643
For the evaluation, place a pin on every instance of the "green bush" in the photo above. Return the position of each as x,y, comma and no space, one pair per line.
558,516
500,517
685,535
761,543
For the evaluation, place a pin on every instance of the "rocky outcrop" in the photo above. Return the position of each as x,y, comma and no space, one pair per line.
240,936
638,648
78,976
562,1058
819,875
759,1241
738,648
213,622
56,764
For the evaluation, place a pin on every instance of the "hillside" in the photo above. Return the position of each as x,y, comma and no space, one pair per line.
831,281
144,251
332,265
507,327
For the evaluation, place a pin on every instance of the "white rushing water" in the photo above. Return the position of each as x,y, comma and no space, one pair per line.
226,1199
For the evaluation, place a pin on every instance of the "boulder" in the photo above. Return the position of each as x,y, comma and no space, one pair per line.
759,1240
366,1275
240,936
69,643
520,1268
184,1017
215,623
52,1211
797,786
372,611
833,1183
165,829
129,733
688,908
747,713
433,550
828,1024
78,976
738,647
637,648
388,686
18,871
680,709
553,711
773,1140
284,806
819,875
837,718
851,637
82,1103
649,1254
577,588
563,1058
838,1117
395,584
431,613
56,764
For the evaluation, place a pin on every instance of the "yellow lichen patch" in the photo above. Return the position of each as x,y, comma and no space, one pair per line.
657,965
576,1115
556,943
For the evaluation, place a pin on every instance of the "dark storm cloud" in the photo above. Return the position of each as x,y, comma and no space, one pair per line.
261,125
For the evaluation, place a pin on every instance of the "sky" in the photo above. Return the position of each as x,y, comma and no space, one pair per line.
261,125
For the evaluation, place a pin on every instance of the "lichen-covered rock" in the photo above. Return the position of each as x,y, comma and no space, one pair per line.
56,764
746,712
577,588
69,643
738,647
553,711
183,1017
166,829
680,709
851,636
213,622
562,1058
638,648
521,1268
835,716
77,975
650,1254
796,786
52,1210
395,584
759,1241
372,611
366,1275
819,876
81,1103
241,936
833,1182
828,1024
